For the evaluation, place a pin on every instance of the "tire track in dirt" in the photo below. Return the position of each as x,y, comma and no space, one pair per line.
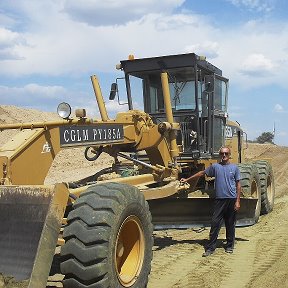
267,253
272,245
267,243
172,256
253,258
257,249
181,265
170,269
206,272
239,266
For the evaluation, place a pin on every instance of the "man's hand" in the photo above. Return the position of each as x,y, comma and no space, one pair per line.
237,205
194,176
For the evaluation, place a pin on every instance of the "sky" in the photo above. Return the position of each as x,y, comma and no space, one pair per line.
50,48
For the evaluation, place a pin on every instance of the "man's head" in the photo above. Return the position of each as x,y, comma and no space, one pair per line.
224,154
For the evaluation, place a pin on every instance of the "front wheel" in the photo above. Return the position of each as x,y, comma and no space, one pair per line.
108,239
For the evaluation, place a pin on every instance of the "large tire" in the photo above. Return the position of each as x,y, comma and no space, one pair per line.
108,239
267,185
250,183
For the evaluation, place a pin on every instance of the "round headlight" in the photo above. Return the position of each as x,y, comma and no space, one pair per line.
64,110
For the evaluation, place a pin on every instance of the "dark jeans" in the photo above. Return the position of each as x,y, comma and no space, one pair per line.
223,210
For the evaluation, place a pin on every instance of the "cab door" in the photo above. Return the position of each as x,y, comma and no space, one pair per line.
217,91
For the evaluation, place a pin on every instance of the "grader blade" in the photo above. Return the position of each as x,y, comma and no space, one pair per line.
30,221
194,212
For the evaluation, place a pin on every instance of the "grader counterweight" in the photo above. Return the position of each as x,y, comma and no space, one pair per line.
107,224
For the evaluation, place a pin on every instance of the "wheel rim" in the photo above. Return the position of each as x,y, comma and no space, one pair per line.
129,251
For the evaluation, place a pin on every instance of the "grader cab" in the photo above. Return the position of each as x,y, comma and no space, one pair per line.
107,223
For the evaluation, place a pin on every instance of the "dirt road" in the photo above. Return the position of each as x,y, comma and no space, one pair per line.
261,253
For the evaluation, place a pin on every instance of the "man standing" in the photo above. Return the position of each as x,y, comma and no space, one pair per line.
227,202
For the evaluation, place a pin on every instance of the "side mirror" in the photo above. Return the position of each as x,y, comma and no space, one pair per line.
209,84
113,91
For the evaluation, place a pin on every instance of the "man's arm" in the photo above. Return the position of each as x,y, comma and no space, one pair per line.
238,189
194,176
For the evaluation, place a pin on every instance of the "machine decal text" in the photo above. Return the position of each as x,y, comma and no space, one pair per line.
231,131
75,135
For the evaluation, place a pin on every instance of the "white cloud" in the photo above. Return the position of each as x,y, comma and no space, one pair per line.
7,54
43,97
63,46
8,42
278,108
31,92
8,38
257,5
257,65
177,21
50,91
113,106
56,45
208,49
114,12
47,98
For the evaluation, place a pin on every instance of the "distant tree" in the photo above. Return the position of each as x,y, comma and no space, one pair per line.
265,137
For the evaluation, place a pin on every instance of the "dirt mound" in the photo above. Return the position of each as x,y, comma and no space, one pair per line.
278,157
13,114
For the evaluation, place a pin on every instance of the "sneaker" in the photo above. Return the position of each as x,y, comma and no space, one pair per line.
229,250
207,253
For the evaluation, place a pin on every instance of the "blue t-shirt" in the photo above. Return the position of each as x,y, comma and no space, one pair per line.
225,179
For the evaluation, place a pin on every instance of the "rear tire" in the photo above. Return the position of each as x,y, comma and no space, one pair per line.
267,185
250,183
108,239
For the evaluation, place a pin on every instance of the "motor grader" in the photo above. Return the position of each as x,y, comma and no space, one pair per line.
104,224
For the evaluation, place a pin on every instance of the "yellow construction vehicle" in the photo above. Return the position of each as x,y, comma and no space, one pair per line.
107,222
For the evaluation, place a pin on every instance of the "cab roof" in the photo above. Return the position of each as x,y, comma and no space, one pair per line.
162,63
